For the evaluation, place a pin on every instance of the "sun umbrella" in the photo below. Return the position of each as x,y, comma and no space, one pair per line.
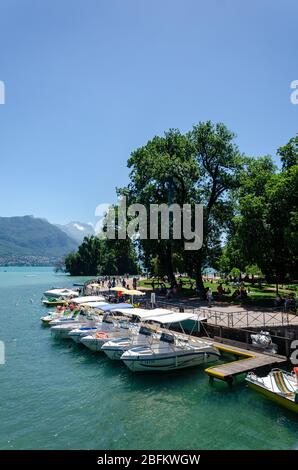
119,289
134,292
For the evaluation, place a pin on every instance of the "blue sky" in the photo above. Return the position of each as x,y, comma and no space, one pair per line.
88,81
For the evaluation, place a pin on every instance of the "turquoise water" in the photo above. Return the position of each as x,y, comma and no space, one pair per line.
59,395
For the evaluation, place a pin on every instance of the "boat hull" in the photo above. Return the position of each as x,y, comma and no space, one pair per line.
76,337
94,344
62,332
171,362
114,352
280,400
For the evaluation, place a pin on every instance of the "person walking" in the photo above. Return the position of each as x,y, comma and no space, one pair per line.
209,297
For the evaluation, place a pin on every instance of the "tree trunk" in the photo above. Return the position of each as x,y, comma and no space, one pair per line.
199,279
170,270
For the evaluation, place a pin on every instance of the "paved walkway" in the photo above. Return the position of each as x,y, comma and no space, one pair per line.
234,316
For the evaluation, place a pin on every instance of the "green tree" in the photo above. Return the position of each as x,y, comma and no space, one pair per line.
199,167
162,171
97,256
265,226
289,153
219,165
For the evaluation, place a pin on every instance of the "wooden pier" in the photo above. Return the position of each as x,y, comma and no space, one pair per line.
250,360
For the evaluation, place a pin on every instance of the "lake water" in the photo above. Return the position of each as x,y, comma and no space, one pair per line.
59,395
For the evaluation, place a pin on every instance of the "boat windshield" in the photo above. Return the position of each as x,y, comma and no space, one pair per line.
167,338
145,331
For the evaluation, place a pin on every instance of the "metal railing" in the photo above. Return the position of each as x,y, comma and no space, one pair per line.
237,319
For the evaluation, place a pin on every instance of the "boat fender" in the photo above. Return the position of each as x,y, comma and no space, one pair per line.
101,334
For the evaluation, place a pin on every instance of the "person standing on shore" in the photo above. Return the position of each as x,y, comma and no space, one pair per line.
209,296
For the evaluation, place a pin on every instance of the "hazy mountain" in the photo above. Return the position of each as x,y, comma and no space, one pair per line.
27,236
77,230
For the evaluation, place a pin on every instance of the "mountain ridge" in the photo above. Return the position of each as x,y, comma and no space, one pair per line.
30,237
77,230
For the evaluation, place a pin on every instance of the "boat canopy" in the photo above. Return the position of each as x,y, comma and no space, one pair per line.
62,292
143,313
89,298
173,317
95,304
116,307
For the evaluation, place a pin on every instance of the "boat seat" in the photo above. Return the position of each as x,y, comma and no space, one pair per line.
280,382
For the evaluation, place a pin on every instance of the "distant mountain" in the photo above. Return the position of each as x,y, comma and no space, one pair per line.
28,237
77,230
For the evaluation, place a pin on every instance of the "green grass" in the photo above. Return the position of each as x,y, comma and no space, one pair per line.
263,295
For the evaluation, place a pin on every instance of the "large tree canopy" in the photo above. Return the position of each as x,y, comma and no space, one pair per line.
250,213
200,167
265,228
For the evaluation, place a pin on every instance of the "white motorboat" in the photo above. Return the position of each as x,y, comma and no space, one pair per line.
78,333
116,328
114,348
172,351
82,311
61,293
61,331
147,334
95,341
62,327
59,312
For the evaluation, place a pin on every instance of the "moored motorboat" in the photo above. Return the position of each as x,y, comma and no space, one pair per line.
171,352
61,331
149,331
59,312
95,341
54,302
62,327
111,327
58,293
78,333
279,386
114,348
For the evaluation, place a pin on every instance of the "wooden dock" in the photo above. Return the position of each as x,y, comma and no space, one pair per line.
250,360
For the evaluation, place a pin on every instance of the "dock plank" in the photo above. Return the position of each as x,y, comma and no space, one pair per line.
250,360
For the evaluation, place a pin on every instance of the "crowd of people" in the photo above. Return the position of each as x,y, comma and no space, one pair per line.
288,303
240,292
108,282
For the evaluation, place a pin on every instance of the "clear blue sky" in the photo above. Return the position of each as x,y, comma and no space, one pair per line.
88,81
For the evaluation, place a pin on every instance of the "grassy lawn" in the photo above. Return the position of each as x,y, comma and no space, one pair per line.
262,295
